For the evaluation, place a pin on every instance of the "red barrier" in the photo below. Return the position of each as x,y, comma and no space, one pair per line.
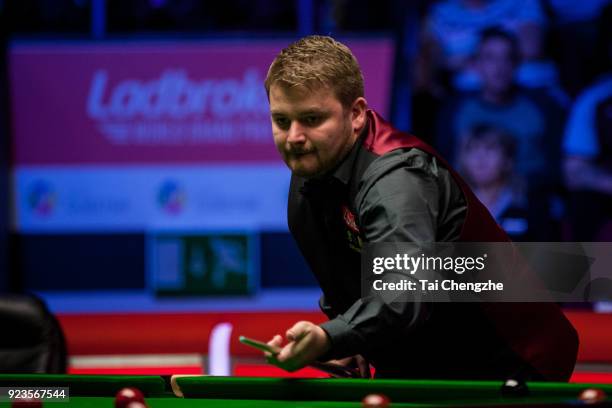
139,333
595,332
144,333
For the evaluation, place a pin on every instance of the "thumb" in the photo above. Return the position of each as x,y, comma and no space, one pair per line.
299,330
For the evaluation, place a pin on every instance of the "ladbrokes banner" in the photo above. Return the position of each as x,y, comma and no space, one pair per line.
155,103
130,136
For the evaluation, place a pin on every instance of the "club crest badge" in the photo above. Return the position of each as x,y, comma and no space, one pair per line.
352,233
349,219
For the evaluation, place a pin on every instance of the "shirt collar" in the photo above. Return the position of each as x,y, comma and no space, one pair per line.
344,170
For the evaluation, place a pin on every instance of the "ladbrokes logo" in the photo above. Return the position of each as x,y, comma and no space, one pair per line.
175,109
171,197
42,198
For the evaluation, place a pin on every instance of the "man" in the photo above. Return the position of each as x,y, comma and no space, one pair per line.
356,179
531,115
587,146
588,161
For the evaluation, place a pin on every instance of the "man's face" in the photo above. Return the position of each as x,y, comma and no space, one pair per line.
311,129
496,65
485,163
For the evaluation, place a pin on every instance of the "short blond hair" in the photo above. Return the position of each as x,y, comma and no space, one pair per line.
316,61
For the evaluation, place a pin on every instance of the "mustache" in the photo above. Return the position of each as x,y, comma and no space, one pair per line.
298,151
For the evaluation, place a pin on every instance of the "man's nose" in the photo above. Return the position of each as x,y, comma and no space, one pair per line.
296,133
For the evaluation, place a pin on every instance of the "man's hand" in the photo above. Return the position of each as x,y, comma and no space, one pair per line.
306,343
355,362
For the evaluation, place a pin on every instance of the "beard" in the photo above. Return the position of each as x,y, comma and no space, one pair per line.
314,159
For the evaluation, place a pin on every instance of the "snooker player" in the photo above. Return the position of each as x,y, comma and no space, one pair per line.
356,179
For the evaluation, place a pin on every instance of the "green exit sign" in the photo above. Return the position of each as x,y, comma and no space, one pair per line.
207,264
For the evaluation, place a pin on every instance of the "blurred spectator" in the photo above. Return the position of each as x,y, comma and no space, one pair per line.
451,36
588,152
486,159
532,116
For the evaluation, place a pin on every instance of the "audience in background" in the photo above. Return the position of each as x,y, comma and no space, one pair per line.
533,117
588,153
468,78
451,35
486,161
447,57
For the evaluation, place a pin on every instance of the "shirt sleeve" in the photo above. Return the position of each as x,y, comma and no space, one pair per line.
401,206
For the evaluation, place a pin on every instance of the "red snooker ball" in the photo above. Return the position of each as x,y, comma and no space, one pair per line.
375,401
126,395
592,396
26,403
136,404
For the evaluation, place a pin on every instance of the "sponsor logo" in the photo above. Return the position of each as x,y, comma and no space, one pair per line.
175,109
175,96
42,198
171,197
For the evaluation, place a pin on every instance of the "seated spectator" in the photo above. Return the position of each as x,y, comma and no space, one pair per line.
588,152
451,34
534,118
588,161
486,161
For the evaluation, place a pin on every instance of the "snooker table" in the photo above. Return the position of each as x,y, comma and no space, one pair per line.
96,391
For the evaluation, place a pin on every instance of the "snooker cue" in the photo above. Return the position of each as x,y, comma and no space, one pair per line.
330,368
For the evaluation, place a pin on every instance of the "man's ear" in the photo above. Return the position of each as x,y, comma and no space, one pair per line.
358,113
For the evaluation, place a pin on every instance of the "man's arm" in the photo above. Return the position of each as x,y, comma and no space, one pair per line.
406,204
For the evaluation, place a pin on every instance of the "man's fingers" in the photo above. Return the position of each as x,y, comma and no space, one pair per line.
299,330
306,342
342,361
287,352
276,341
364,366
283,361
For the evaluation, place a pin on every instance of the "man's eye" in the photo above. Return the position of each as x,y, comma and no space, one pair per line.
312,120
282,123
